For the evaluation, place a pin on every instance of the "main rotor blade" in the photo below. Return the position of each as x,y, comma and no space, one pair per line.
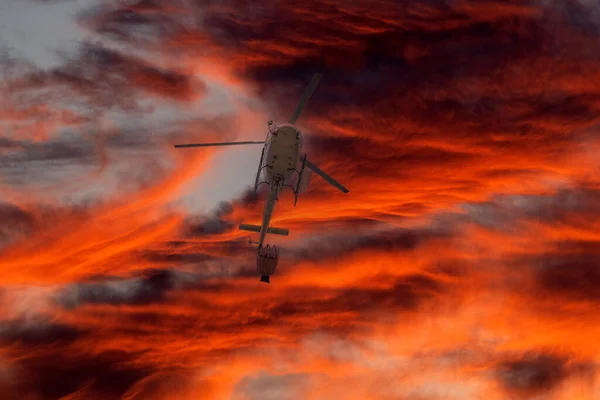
326,177
215,144
304,99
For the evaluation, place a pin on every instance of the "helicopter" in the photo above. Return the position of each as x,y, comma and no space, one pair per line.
281,165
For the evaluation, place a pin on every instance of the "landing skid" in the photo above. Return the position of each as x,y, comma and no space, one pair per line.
300,175
262,156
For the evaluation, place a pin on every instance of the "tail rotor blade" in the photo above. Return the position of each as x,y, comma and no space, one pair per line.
304,99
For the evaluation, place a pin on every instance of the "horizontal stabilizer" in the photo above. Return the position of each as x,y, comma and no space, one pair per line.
256,228
326,177
215,144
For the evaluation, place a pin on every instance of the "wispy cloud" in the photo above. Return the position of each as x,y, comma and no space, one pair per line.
463,264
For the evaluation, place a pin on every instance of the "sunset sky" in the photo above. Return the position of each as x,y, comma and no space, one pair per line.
463,264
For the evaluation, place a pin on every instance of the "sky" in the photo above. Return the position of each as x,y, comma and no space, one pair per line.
463,264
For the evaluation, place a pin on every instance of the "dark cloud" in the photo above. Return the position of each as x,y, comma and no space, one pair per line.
29,332
150,288
575,277
14,216
392,296
569,268
537,373
109,374
153,286
374,236
385,54
8,144
108,79
23,222
109,65
405,293
583,15
358,157
141,21
66,150
217,222
436,100
206,259
398,62
425,91
30,220
210,225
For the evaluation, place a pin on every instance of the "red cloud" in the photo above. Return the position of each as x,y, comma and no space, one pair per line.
462,264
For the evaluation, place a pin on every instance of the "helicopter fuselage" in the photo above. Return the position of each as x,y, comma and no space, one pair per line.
282,153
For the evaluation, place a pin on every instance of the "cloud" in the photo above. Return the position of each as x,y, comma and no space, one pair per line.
145,20
267,386
537,373
15,221
374,237
103,375
152,287
567,268
573,277
216,224
557,208
402,294
464,130
97,71
65,150
30,333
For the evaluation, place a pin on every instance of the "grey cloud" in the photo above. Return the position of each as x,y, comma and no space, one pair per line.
105,78
27,332
503,212
59,150
537,373
149,288
266,386
372,236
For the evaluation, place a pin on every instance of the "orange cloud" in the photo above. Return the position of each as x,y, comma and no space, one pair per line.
463,263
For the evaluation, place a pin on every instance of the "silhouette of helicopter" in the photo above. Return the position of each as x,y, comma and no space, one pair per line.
278,168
